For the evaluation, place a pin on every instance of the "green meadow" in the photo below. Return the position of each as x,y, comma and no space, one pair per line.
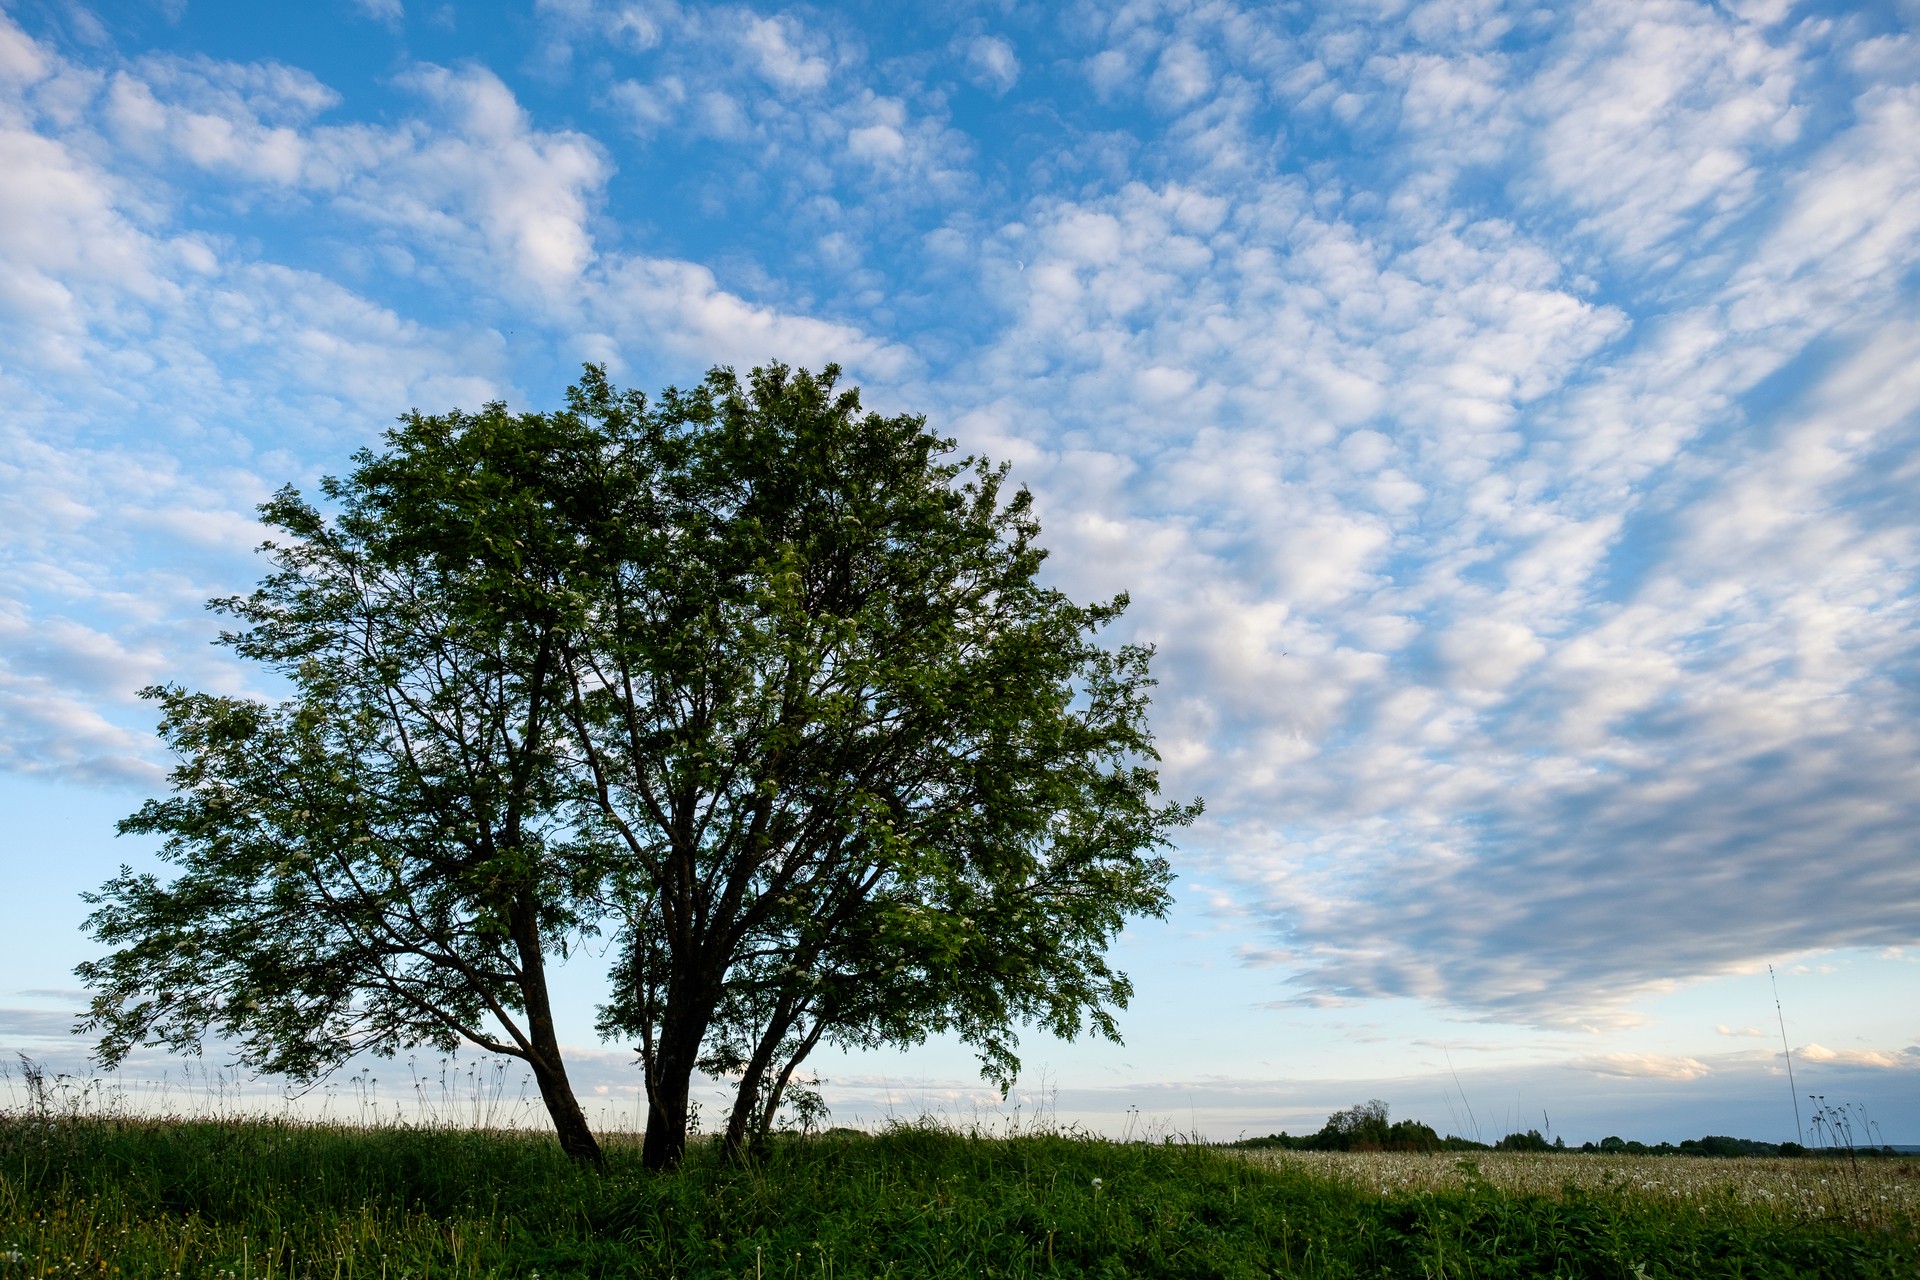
124,1196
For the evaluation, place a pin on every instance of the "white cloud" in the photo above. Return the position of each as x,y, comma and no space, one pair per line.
1848,227
1879,1059
777,47
22,62
992,63
653,105
49,729
391,12
1656,1066
225,374
1108,71
1486,655
796,98
1511,647
630,25
530,190
643,300
1180,76
1654,119
477,183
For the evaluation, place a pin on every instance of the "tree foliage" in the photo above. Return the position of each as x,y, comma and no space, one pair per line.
385,858
871,778
767,684
1365,1127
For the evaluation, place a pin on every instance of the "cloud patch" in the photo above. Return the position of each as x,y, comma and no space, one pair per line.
1650,1066
1907,1059
164,380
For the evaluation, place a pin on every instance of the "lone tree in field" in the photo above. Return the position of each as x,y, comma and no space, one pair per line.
384,859
764,683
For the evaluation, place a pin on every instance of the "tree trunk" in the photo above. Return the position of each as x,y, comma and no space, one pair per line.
746,1103
549,1068
771,1107
569,1121
666,1140
674,1060
744,1106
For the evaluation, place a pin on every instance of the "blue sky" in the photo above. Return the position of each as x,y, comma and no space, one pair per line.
1504,419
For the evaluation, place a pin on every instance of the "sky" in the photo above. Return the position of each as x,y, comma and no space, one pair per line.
1505,420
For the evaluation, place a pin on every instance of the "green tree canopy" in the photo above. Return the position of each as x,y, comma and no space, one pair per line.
386,858
767,684
872,777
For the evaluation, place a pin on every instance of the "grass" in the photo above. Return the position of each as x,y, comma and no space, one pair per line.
105,1196
1875,1193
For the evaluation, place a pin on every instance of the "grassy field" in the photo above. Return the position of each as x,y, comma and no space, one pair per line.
253,1198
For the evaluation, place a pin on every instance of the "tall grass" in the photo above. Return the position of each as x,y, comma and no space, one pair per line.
121,1195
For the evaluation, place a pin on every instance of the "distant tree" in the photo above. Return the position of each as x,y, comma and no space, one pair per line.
1453,1142
1411,1135
1528,1141
1359,1128
382,859
871,778
1365,1128
1724,1146
1283,1141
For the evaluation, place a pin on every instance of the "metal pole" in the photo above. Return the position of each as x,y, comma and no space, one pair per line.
1798,1133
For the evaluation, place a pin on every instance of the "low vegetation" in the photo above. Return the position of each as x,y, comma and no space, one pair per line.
251,1198
1876,1193
1365,1128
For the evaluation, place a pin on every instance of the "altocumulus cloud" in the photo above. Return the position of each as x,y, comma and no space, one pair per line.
1504,419
1521,523
157,367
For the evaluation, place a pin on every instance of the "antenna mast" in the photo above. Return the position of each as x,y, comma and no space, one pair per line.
1791,1087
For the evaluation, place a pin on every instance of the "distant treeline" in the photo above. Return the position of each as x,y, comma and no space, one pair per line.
1366,1128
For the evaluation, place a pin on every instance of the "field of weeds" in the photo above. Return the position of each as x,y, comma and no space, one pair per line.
250,1199
1870,1191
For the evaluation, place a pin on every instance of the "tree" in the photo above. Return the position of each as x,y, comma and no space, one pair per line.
871,778
765,678
1528,1141
385,858
1359,1128
1412,1135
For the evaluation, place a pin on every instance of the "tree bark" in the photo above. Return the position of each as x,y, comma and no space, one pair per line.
569,1121
752,1084
549,1068
681,1032
666,1140
772,1104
